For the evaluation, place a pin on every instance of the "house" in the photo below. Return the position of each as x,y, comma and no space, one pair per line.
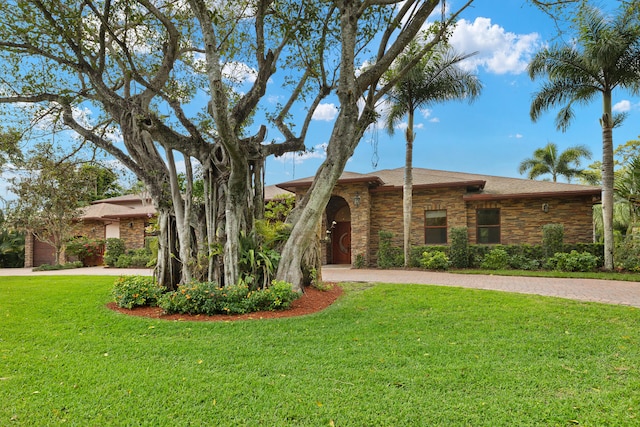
495,210
126,217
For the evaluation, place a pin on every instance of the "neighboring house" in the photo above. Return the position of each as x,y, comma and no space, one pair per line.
125,217
495,210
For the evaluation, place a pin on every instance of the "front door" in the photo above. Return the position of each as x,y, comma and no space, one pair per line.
341,243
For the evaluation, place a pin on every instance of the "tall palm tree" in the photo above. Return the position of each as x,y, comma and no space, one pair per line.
436,77
605,56
547,161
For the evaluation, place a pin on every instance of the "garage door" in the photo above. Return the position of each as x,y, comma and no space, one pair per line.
43,253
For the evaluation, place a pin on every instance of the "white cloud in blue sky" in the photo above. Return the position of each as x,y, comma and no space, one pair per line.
499,51
325,112
622,106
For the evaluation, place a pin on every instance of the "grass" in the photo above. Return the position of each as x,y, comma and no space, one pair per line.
602,275
384,355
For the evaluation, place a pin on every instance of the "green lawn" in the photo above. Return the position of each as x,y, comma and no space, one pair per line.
387,355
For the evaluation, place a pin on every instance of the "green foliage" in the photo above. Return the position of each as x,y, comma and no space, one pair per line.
459,250
123,261
83,247
497,259
50,195
435,260
136,291
573,261
628,254
278,209
114,247
257,262
208,298
11,246
389,256
548,161
140,257
65,266
360,261
552,239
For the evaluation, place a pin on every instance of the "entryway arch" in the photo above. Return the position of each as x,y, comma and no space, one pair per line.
338,216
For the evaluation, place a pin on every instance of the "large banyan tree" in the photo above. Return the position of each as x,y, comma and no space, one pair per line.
162,79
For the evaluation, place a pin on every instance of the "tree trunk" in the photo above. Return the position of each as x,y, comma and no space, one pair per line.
407,191
607,180
167,271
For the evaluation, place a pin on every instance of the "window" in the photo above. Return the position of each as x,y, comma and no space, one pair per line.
435,227
488,221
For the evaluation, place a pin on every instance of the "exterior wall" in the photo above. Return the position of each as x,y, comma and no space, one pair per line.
90,229
521,221
386,214
132,232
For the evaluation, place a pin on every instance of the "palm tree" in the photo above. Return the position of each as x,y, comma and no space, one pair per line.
605,56
434,78
546,160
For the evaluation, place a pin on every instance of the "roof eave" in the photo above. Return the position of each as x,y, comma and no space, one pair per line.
476,183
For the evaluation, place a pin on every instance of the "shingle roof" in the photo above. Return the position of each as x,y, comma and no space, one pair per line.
112,211
479,186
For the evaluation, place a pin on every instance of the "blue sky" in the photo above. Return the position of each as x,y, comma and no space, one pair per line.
492,135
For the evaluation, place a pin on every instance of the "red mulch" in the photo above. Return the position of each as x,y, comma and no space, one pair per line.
312,301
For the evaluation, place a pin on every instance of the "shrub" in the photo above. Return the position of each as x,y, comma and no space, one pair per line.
459,251
628,254
521,262
140,257
136,291
124,261
114,247
360,262
208,298
435,260
65,266
417,251
389,256
497,259
83,247
552,239
573,261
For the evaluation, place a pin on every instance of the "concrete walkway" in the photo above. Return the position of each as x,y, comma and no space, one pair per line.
604,291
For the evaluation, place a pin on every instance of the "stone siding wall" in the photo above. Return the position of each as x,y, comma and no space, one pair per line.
521,221
132,232
386,214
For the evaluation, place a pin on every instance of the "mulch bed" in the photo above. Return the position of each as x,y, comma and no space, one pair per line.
312,301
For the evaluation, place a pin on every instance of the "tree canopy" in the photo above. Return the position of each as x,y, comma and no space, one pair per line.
548,161
143,68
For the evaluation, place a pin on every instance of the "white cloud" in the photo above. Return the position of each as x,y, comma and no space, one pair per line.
403,126
499,51
516,136
622,106
325,112
317,152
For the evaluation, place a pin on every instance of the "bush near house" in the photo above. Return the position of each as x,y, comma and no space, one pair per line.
493,257
116,255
